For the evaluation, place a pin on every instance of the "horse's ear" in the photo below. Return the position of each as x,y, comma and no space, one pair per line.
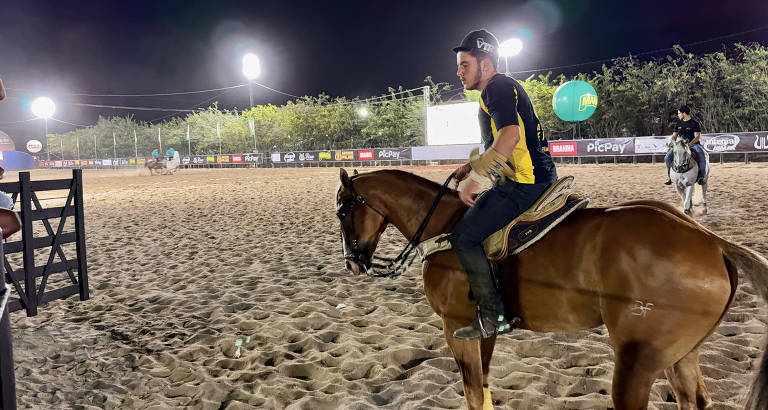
354,172
344,177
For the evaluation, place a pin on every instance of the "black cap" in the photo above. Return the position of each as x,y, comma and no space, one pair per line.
480,42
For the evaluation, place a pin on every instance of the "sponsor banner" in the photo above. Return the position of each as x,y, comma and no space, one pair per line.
365,155
142,161
237,158
736,142
98,162
57,164
606,147
222,159
210,159
325,156
186,160
651,145
722,143
198,160
759,141
276,157
392,154
91,163
563,148
346,155
252,157
289,157
307,156
106,162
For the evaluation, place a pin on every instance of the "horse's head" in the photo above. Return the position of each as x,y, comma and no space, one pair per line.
361,224
681,152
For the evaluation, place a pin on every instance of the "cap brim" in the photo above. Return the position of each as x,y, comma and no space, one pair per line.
460,48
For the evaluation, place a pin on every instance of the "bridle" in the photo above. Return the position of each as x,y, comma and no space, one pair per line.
685,166
393,267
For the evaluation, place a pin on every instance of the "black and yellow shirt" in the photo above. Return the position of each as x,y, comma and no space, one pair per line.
504,102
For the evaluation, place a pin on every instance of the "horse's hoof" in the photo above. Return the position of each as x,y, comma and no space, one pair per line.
687,211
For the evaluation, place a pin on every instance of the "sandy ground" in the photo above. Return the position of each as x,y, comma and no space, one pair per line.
183,266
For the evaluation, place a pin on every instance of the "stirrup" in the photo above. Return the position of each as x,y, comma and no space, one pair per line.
483,328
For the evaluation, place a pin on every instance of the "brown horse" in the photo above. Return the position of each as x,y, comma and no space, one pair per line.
156,165
628,267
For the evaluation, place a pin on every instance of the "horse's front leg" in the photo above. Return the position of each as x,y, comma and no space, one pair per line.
469,359
688,200
704,196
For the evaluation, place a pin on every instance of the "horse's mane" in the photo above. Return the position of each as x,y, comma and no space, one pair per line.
400,174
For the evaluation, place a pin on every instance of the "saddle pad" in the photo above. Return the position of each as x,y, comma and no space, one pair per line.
496,244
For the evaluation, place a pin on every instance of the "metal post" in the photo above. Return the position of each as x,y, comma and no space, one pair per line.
47,143
95,155
114,146
426,112
77,141
136,145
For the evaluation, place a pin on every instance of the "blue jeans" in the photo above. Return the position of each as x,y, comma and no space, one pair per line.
491,212
701,157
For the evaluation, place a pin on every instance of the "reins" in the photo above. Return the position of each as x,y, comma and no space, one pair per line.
394,267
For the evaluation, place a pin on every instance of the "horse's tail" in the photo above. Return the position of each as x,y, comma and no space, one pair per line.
756,268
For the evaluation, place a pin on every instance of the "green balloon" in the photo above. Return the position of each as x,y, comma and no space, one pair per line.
574,101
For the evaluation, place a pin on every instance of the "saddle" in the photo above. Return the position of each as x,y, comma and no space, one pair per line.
552,207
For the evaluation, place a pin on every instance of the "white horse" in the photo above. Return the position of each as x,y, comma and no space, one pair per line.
683,174
172,164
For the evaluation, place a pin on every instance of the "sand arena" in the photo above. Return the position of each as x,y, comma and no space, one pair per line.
182,266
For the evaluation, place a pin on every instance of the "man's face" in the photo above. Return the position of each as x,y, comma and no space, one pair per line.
468,70
680,115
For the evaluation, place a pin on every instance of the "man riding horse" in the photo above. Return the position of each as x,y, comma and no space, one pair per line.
516,156
689,131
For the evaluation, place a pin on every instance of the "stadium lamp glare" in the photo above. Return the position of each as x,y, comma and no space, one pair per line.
511,47
43,107
251,66
363,112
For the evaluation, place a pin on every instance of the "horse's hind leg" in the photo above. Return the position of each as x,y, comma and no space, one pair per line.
632,378
704,194
688,384
468,358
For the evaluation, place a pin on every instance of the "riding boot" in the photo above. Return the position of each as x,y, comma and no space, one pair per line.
669,178
490,319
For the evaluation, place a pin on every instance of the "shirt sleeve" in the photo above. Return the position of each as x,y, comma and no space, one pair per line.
696,126
501,101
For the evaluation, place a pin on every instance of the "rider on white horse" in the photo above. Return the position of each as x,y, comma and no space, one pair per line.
689,131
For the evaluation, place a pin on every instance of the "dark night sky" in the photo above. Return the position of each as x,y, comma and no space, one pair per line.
343,48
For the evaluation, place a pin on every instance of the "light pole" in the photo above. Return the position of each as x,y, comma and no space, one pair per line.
510,48
252,71
43,107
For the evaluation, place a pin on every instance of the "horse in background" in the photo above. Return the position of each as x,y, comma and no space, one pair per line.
599,266
164,166
683,175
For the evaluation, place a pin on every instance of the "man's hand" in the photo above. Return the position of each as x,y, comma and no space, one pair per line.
467,194
461,173
2,91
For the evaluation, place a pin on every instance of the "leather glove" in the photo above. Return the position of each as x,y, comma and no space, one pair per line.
491,161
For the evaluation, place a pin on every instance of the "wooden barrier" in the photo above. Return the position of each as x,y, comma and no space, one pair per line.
31,294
